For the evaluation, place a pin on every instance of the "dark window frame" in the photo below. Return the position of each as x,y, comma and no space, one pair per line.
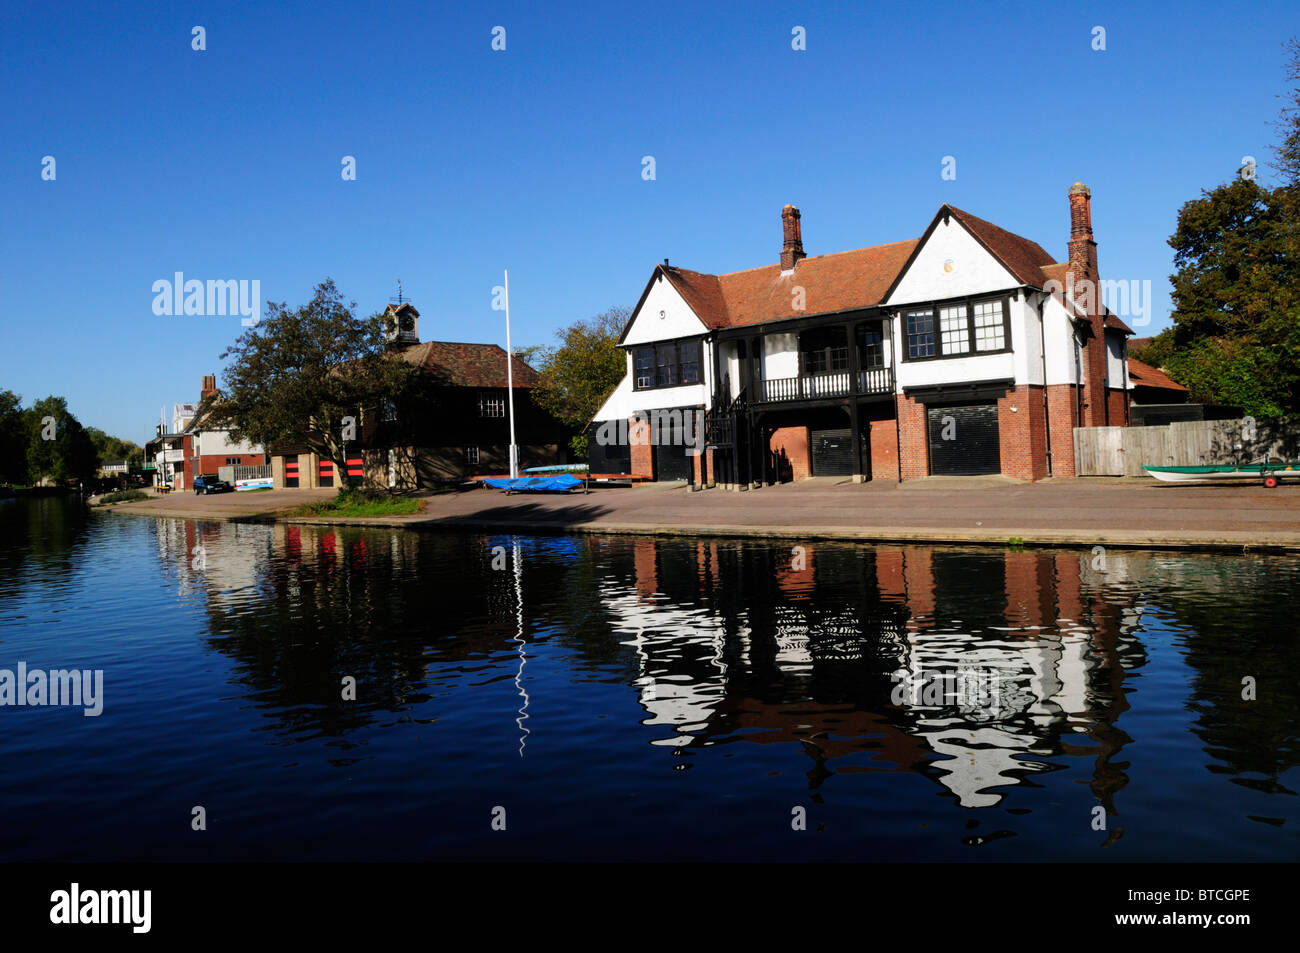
830,358
932,308
678,357
861,340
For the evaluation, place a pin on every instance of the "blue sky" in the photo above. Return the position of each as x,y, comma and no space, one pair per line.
226,163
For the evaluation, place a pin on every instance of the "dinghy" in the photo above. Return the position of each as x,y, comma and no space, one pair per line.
561,483
1270,473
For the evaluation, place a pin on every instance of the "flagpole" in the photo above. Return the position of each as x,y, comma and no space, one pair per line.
510,385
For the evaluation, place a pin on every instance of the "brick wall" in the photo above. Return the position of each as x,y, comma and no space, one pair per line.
638,436
1061,416
883,440
1117,408
793,441
913,439
1022,436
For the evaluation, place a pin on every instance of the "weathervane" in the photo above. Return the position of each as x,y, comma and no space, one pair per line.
399,300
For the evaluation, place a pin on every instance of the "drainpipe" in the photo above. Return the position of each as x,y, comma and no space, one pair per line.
1078,379
1042,354
893,368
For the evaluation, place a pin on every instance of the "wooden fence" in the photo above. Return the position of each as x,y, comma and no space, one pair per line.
1123,451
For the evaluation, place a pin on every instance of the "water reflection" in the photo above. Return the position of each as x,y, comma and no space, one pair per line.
1013,685
730,642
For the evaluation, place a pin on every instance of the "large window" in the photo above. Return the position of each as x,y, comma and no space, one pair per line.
668,364
962,328
824,350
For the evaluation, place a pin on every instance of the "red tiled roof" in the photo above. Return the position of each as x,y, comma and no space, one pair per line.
850,280
468,365
842,281
1145,375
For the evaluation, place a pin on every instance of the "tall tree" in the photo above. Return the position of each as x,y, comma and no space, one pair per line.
58,447
13,439
297,374
577,376
109,448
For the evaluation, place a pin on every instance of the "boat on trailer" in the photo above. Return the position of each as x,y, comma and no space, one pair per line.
561,483
1269,473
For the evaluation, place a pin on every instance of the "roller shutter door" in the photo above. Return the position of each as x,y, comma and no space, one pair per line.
964,440
832,452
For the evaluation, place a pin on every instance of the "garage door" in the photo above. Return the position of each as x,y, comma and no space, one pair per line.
672,463
832,452
964,440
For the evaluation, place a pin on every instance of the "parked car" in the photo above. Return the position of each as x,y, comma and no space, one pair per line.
211,484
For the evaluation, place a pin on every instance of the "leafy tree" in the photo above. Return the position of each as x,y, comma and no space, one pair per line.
109,448
577,376
294,376
13,439
1236,294
58,447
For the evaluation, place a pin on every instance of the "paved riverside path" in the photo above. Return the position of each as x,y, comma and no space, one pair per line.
939,509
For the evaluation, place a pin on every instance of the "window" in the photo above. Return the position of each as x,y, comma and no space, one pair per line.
953,332
688,357
388,411
871,347
990,326
644,360
920,334
669,364
491,405
471,454
665,365
232,461
824,350
963,327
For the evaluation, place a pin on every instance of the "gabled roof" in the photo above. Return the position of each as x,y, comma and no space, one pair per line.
1023,258
1144,375
845,281
468,365
842,281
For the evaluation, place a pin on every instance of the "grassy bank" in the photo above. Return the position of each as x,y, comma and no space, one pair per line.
352,502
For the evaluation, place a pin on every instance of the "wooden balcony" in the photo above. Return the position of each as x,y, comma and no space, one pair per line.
876,380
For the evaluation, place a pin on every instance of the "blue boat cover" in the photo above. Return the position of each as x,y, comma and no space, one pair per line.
550,484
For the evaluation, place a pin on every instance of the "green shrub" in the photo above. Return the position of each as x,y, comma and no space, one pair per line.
122,496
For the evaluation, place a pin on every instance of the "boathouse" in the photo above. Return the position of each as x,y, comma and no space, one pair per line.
969,350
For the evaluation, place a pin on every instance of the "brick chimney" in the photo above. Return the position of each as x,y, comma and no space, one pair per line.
1083,275
792,247
1083,250
209,385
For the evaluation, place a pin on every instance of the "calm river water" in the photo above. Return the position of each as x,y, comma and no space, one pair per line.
639,699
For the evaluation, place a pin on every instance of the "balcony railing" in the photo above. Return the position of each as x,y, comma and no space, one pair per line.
878,380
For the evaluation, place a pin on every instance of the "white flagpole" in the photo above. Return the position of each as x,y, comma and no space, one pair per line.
510,385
